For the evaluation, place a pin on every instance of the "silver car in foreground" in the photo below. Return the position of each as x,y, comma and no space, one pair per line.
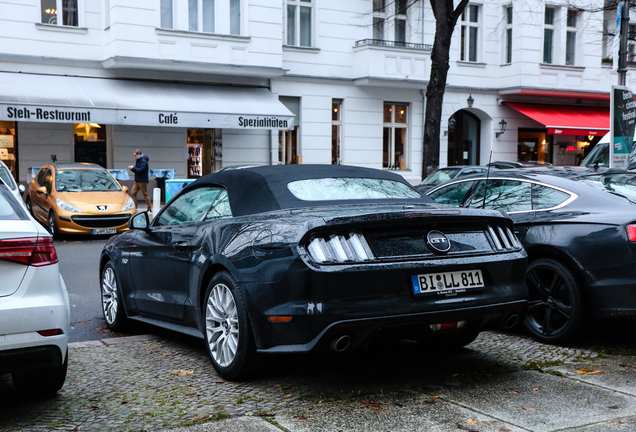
16,189
34,305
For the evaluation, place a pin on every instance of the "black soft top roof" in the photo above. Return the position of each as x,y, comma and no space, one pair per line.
261,189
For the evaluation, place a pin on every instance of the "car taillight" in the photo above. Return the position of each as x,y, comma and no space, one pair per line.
631,232
29,251
340,248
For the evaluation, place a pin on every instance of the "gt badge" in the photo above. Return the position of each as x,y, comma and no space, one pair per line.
438,242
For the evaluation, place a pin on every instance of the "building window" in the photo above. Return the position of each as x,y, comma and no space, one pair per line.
299,22
60,12
201,15
508,52
166,14
570,41
379,15
336,129
394,136
400,21
631,44
469,33
235,17
548,35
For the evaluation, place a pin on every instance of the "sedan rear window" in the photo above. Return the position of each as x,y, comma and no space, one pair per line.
84,180
336,189
10,209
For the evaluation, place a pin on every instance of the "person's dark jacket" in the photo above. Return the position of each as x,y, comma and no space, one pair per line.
141,169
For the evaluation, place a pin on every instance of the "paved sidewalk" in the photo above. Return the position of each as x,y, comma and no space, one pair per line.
149,383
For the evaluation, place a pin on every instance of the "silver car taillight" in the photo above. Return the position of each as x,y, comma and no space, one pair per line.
340,248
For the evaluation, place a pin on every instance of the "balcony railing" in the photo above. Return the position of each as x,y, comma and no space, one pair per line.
380,42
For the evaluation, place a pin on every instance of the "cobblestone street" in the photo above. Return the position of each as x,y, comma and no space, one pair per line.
147,383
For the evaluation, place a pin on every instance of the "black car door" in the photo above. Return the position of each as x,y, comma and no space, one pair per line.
160,256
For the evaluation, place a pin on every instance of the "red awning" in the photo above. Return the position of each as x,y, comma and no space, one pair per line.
566,119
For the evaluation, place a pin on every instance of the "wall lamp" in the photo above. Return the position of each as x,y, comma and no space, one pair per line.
502,128
470,100
451,126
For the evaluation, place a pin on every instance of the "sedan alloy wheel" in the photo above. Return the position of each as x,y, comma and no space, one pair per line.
555,303
111,301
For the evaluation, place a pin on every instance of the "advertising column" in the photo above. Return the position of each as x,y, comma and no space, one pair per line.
623,122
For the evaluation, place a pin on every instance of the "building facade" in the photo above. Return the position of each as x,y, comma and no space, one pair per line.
203,84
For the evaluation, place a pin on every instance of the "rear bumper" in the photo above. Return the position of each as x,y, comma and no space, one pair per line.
41,303
366,303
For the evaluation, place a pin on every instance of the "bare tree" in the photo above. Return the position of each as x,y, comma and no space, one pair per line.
446,16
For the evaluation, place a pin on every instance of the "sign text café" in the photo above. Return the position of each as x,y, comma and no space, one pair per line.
142,118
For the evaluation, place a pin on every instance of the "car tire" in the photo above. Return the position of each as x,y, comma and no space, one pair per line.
41,382
555,304
29,206
112,305
228,336
53,230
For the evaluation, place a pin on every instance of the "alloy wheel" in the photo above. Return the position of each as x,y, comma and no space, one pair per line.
552,301
222,325
110,301
52,226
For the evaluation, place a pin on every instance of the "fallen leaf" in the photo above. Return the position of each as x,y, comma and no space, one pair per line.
429,401
619,421
301,417
434,397
93,408
276,385
220,382
166,353
626,366
181,372
199,417
514,392
530,409
584,371
376,406
613,407
124,402
288,396
471,421
503,429
536,388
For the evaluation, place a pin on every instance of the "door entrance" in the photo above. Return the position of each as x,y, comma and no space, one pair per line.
464,131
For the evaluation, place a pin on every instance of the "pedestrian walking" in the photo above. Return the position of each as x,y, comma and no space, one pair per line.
141,178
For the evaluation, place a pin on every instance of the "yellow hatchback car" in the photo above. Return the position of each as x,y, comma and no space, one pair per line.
79,198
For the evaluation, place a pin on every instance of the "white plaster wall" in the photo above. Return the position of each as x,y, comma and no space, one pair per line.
38,141
362,117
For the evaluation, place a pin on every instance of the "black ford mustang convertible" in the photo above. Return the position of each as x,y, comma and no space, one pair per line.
297,258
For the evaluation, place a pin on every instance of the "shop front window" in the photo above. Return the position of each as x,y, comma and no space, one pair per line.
90,143
533,146
8,153
60,12
394,151
205,151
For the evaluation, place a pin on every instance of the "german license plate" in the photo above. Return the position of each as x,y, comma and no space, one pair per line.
103,230
447,282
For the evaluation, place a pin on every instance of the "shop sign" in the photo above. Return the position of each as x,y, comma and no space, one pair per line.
9,112
567,131
623,123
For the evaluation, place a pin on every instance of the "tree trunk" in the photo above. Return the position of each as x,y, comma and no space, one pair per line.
445,20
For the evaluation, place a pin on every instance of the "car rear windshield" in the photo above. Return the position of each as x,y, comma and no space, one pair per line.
10,209
335,189
5,175
622,184
85,180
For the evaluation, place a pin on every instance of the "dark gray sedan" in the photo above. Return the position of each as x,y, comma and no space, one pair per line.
578,226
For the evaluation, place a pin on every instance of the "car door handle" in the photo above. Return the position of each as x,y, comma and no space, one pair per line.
182,245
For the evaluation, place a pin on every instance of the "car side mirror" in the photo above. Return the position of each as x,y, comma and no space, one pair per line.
139,221
124,188
41,189
21,188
